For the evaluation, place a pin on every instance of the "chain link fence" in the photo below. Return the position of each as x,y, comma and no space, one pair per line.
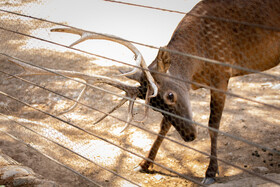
86,121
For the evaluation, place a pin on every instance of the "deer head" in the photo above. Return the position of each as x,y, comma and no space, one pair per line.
159,91
172,98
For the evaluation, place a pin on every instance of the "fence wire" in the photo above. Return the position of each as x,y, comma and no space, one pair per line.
151,132
45,155
204,153
211,61
127,98
200,16
172,51
105,140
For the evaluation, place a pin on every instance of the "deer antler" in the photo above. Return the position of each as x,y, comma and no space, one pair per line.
131,91
140,62
138,57
90,79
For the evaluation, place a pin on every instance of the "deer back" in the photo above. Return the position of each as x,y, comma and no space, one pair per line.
237,32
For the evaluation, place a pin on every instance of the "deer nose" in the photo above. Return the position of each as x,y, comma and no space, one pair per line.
193,135
190,134
186,129
190,137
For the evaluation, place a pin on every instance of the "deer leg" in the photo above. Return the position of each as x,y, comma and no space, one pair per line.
216,107
164,128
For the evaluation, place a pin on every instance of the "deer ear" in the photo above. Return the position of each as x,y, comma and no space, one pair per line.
163,61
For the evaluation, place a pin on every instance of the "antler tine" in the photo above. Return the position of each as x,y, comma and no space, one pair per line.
89,79
87,36
111,111
76,102
147,101
131,91
138,56
130,113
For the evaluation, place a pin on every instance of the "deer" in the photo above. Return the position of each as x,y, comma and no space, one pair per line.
241,35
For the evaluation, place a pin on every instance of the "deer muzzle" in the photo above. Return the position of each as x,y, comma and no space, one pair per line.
185,127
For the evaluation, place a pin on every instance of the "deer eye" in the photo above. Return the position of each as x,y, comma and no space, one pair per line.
170,98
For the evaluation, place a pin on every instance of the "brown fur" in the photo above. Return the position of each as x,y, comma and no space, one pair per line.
240,44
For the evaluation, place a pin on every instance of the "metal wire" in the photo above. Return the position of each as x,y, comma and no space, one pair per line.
145,6
221,160
172,51
154,108
47,156
101,138
186,177
146,45
190,82
68,149
200,16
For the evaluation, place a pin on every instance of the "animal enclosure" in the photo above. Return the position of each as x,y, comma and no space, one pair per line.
73,147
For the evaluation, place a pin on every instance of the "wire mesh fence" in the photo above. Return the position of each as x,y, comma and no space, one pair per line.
53,98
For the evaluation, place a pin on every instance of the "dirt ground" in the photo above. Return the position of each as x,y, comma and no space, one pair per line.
242,118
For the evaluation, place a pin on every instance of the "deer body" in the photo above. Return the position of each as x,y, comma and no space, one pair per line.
237,44
233,43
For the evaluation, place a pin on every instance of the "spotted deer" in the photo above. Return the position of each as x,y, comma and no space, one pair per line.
234,33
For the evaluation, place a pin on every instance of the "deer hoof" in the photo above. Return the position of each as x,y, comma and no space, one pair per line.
142,169
208,180
138,169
